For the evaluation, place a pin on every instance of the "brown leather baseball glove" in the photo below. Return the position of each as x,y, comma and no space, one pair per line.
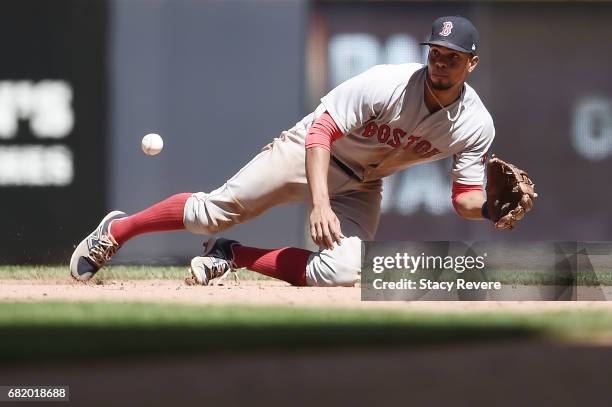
510,193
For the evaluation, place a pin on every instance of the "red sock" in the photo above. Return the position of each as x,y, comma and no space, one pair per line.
287,264
163,216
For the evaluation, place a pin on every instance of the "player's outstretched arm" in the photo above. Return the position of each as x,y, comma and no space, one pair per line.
324,224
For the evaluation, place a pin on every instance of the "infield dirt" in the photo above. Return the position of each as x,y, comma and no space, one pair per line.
250,293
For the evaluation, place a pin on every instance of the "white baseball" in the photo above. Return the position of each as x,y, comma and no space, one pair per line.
152,144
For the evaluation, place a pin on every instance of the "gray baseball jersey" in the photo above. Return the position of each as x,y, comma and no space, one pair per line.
386,127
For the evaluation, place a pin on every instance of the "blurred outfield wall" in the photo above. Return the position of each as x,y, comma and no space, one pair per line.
218,80
82,82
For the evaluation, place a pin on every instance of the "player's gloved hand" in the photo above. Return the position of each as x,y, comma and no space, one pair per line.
510,193
325,227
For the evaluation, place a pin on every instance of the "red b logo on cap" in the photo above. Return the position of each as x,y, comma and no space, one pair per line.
447,27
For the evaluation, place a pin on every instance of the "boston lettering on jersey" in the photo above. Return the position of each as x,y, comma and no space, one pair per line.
393,137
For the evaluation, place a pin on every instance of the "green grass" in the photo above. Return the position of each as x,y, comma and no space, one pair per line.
35,272
178,273
35,331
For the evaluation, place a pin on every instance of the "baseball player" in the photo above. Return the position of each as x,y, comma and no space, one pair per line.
382,121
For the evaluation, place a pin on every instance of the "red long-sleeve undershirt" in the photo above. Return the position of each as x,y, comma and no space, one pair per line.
459,189
323,132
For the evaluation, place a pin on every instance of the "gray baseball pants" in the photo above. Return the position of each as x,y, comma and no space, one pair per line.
277,175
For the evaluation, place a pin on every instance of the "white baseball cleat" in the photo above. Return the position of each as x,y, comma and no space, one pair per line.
95,250
217,261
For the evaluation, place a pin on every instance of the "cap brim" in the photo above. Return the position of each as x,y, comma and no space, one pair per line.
448,45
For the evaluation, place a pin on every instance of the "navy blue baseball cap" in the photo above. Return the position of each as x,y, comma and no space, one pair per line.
454,32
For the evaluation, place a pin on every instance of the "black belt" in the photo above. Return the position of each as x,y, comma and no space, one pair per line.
347,170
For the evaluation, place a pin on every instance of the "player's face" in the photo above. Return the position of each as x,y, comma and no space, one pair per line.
448,68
